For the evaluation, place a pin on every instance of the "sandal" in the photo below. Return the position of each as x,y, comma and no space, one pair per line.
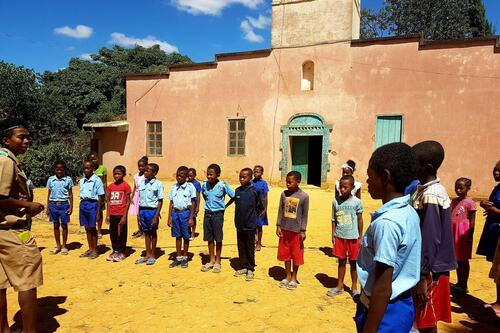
64,251
284,283
334,292
292,285
55,251
208,266
85,254
217,268
141,260
151,261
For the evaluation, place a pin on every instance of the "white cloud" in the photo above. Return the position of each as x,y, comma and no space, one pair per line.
80,32
212,7
85,56
126,41
70,48
250,24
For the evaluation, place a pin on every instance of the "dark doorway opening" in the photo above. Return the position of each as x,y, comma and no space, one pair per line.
306,157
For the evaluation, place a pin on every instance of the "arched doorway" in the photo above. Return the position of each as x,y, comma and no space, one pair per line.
305,146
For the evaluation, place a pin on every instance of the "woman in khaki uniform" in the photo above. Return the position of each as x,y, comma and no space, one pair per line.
20,259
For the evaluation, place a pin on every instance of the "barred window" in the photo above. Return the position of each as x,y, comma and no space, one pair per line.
154,138
236,137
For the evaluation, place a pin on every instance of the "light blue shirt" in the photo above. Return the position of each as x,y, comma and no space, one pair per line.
59,188
150,192
181,195
91,188
345,215
393,238
214,196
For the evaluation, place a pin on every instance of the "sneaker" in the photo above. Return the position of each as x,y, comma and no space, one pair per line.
184,263
334,292
250,276
208,266
112,256
118,257
241,272
217,268
93,255
85,254
174,263
191,238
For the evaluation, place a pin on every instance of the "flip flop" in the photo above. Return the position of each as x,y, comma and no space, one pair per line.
151,261
208,266
334,292
292,285
217,268
141,260
284,283
64,251
55,251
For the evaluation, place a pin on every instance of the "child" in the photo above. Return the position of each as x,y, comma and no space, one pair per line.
192,179
118,203
347,228
291,228
463,216
20,258
91,192
389,261
60,205
138,179
101,172
432,293
150,204
260,185
249,207
491,234
214,191
182,197
348,168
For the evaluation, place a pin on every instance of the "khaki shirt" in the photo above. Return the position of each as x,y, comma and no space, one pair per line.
13,184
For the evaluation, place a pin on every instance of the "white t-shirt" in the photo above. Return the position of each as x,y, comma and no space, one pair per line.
357,187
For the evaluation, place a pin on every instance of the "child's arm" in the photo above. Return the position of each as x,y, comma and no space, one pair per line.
198,201
264,212
133,192
123,220
156,218
170,205
229,203
280,215
360,225
48,196
472,220
334,222
191,212
305,214
379,299
106,202
70,209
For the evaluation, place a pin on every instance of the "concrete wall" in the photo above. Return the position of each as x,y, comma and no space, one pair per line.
448,93
306,22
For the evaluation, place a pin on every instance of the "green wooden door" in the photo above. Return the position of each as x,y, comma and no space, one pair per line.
388,130
300,155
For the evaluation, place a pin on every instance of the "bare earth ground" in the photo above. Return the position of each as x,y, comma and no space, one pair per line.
80,295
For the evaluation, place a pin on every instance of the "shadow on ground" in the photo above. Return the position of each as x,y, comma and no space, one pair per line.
48,309
484,320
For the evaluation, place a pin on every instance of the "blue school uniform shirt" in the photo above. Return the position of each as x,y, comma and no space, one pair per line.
197,187
345,215
393,238
59,188
150,192
214,196
181,195
91,188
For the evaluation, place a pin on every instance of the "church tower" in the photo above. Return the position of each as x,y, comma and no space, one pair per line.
308,22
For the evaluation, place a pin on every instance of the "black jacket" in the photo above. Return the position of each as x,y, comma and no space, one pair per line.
249,206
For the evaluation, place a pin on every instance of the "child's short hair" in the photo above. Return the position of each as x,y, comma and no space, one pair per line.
250,171
120,168
143,159
430,152
350,178
154,167
215,167
182,169
295,174
60,163
467,182
92,153
7,127
86,160
193,170
352,164
259,167
399,159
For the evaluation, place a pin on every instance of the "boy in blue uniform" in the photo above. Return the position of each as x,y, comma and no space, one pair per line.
249,206
150,204
192,179
60,204
389,261
182,197
91,192
214,191
261,186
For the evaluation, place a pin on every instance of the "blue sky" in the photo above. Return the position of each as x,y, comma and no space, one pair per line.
45,34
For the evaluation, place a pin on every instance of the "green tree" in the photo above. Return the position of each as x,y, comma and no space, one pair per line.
434,20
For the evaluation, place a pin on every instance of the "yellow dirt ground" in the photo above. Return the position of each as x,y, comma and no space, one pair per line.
80,295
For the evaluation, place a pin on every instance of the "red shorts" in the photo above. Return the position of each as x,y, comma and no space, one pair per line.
346,248
438,307
291,247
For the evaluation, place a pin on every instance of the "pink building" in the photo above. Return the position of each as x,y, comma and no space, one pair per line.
318,97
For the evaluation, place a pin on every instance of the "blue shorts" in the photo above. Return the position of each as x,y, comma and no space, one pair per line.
146,217
180,224
398,317
57,212
262,221
88,214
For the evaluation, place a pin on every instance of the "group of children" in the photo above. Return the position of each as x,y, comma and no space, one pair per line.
403,260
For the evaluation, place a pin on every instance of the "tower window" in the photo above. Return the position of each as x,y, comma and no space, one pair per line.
307,76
